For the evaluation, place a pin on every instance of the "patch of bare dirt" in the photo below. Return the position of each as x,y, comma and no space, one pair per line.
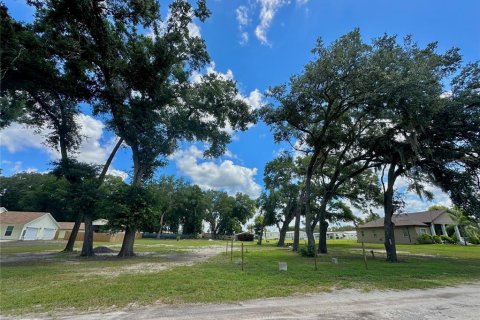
460,302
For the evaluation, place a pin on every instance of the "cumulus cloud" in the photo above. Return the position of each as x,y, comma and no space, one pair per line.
18,137
223,175
301,2
268,9
254,99
242,14
194,30
413,203
118,173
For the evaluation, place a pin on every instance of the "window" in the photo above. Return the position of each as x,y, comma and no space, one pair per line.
423,231
363,234
374,235
9,231
405,233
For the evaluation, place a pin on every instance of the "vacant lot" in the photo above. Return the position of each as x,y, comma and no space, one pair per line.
37,278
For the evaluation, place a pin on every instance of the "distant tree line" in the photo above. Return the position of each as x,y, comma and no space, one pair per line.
163,205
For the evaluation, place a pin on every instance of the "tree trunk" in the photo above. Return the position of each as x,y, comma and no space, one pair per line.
87,248
129,239
161,226
260,238
78,221
298,211
73,235
127,245
308,191
283,230
322,243
389,209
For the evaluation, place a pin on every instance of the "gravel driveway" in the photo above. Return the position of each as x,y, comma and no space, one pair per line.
461,302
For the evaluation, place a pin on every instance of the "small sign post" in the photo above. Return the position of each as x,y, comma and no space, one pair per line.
242,256
364,256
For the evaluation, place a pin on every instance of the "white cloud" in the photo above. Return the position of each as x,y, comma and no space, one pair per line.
210,69
267,12
194,30
18,137
301,2
224,175
243,20
244,37
118,173
254,99
242,16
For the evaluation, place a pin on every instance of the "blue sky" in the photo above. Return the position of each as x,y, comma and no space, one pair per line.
261,43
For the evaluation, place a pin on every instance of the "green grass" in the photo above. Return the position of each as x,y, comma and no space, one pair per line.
69,282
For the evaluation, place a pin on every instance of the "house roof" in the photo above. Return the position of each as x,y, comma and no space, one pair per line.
69,225
423,218
20,217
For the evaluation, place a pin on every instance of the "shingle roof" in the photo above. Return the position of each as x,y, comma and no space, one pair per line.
19,217
408,219
69,225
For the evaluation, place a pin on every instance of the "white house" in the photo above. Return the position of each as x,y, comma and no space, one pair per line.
19,225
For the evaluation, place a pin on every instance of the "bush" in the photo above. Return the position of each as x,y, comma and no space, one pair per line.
437,239
245,237
307,252
425,239
474,239
447,239
455,239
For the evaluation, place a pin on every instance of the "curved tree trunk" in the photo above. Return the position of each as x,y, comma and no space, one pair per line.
127,244
298,212
74,233
284,229
322,243
260,238
87,248
389,226
129,239
78,221
161,226
308,191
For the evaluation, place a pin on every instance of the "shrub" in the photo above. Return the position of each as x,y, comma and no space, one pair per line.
425,239
455,239
245,237
437,239
474,239
307,252
447,239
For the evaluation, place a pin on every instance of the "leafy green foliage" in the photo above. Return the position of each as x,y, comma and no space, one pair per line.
425,239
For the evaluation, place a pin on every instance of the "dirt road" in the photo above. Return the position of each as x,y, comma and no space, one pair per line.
461,302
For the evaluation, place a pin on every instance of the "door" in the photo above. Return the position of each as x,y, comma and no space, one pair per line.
48,234
30,233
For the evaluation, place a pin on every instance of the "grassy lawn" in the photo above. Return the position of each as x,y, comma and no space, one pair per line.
69,282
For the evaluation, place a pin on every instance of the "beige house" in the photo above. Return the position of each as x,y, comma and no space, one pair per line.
20,225
65,229
408,227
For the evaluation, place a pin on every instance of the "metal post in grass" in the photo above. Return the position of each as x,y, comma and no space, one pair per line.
242,256
231,251
364,255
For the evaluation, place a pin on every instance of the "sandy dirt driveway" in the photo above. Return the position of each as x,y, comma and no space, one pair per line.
461,302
